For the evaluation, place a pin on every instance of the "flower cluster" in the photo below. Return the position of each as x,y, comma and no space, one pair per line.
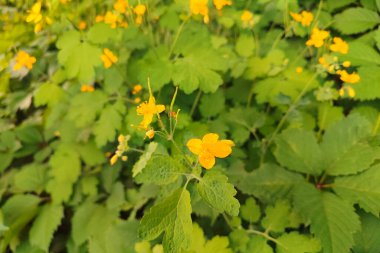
121,148
117,17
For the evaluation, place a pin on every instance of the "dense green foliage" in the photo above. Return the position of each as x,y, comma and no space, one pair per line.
86,167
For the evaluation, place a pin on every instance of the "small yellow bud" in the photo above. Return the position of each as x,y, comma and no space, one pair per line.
124,158
150,134
113,159
121,138
346,64
299,70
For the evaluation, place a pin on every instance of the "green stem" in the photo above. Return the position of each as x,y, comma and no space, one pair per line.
195,103
265,235
180,28
285,117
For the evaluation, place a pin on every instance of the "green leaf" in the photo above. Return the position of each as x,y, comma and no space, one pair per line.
245,45
109,123
333,4
268,183
258,244
362,189
356,20
18,211
297,243
85,107
65,170
160,170
288,84
31,177
48,94
113,80
328,114
212,104
369,87
298,150
344,147
276,217
250,211
91,220
48,220
333,220
367,240
173,217
101,33
156,66
199,244
218,193
78,57
362,54
198,70
144,158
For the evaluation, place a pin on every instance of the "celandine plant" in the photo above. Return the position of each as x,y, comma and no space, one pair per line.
189,126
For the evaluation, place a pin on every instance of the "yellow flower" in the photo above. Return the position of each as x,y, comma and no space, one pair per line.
64,1
305,18
247,18
35,15
346,64
108,58
121,6
99,18
339,46
348,78
137,100
82,25
148,110
87,88
136,89
210,147
140,9
111,19
23,59
299,70
200,7
150,134
350,91
219,4
317,38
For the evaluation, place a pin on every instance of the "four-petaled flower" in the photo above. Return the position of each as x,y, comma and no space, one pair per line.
348,78
108,58
148,110
23,59
210,147
339,46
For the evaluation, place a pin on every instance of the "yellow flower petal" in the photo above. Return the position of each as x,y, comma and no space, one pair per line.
207,160
222,148
195,146
210,138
